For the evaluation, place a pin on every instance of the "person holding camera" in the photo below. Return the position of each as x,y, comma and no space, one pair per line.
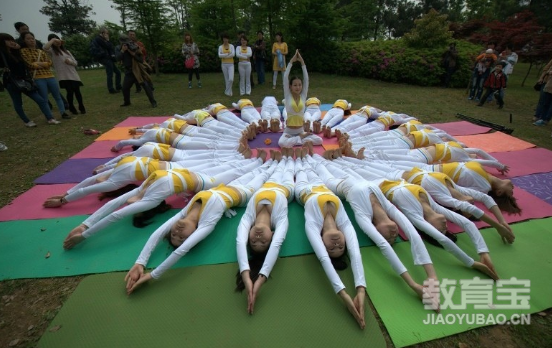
102,51
129,53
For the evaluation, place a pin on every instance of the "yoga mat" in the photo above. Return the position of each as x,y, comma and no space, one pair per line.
137,121
495,142
461,128
25,245
524,162
28,206
532,208
197,307
402,311
325,107
259,141
117,133
98,149
539,185
330,144
71,171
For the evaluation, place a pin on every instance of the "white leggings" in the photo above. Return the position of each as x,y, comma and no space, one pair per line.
312,114
271,112
352,122
250,115
291,138
333,117
367,129
153,195
228,72
229,118
244,69
275,77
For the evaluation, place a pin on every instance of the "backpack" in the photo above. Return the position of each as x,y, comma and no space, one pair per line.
95,50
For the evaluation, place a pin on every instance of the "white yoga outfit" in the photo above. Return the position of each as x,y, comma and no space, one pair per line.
310,191
215,202
158,186
276,193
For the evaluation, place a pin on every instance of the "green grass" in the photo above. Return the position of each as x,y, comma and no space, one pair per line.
35,151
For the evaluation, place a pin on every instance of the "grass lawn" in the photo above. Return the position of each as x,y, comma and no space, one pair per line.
27,306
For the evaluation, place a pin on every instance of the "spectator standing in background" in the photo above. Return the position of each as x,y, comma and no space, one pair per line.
450,63
279,53
259,54
103,52
190,49
132,36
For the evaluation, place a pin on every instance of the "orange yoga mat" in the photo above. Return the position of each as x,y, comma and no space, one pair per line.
495,142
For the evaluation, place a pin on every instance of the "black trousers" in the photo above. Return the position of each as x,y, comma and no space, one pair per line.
127,85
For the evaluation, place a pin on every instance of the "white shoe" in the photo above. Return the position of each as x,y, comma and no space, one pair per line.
3,147
53,121
30,124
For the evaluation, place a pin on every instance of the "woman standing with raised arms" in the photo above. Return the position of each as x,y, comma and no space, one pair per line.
295,95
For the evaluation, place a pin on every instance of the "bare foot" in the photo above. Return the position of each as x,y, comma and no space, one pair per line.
113,149
310,146
298,152
338,134
484,269
304,151
272,154
278,156
306,126
54,202
247,153
264,125
261,154
316,127
328,154
274,125
98,168
132,131
360,153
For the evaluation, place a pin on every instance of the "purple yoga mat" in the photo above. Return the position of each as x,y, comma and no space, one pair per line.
71,171
259,141
539,185
137,121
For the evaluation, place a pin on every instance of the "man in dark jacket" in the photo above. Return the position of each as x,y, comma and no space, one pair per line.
103,52
130,54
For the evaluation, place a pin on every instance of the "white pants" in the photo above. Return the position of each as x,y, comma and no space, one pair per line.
244,69
312,114
352,122
228,72
155,194
291,138
367,129
250,115
229,118
271,112
333,117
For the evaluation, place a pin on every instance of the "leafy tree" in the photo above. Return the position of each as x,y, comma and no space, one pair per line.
432,30
68,17
543,10
79,46
210,18
356,22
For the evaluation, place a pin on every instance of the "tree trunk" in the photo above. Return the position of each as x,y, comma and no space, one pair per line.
270,20
528,71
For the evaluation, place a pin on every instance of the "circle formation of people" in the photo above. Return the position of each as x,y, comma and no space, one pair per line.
394,171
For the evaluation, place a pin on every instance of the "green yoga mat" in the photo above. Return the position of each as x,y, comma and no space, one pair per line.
33,248
197,307
403,313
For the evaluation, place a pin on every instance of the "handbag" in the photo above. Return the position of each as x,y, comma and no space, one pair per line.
21,84
537,87
189,63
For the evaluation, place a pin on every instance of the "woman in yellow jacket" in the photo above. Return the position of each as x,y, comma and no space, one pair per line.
279,53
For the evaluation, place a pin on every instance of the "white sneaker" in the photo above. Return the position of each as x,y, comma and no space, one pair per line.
3,147
53,121
30,124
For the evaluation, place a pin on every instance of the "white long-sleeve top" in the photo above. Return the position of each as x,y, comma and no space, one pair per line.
314,220
278,221
243,56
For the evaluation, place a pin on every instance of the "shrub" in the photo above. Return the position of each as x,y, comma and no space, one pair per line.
394,61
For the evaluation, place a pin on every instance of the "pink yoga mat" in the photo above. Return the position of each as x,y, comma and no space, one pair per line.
495,142
28,206
461,128
525,162
137,121
98,149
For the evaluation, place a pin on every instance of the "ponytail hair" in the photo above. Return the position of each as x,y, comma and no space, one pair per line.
506,203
